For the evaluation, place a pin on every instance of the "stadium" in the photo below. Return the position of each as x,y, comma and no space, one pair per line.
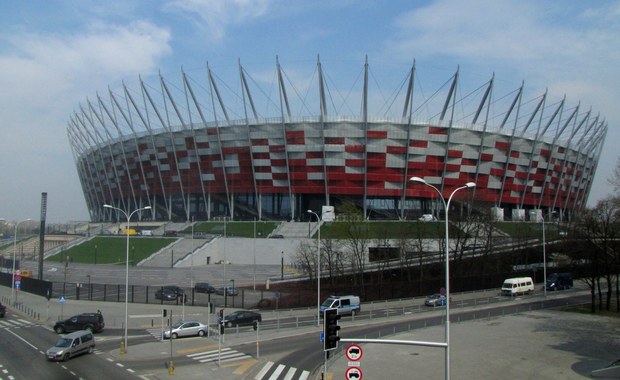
197,149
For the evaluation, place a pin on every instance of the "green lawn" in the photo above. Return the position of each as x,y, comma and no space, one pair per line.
112,250
384,229
236,229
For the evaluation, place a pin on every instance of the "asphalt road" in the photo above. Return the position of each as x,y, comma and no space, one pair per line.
288,340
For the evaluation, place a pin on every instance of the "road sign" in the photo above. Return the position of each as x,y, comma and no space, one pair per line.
353,373
61,299
354,352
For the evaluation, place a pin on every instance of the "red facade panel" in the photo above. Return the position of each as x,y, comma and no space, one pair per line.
377,134
437,131
354,148
501,145
418,143
397,149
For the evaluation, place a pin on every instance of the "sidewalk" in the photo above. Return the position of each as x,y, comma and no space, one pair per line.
547,344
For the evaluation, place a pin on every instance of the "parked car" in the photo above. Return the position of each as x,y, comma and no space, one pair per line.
242,318
186,328
85,321
71,345
435,300
169,293
2,310
229,290
204,287
427,218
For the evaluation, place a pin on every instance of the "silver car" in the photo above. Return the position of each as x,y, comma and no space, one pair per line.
186,328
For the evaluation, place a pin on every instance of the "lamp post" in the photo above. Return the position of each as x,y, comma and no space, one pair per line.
544,257
318,270
95,254
128,216
14,254
447,260
90,293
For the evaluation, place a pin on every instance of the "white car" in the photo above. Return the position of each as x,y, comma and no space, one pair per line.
427,218
186,328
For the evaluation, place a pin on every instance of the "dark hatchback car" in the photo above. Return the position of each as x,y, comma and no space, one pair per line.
169,293
85,321
204,287
242,318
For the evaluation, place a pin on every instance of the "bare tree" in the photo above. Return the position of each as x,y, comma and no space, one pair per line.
305,258
332,258
614,180
598,229
357,241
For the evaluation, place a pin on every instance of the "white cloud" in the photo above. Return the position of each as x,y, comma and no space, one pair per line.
215,16
47,76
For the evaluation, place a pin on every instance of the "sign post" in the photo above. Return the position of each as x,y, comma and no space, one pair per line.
354,355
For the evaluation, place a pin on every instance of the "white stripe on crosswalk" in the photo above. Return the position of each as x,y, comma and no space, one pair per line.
277,372
290,373
264,370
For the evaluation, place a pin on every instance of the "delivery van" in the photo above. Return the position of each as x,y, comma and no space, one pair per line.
517,286
71,345
344,304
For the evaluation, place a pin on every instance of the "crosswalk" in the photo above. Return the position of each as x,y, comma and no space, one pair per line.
15,323
156,333
271,371
224,355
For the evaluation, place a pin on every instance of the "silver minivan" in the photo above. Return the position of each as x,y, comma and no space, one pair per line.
71,345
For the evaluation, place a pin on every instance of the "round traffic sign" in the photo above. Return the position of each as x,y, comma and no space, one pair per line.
354,352
353,373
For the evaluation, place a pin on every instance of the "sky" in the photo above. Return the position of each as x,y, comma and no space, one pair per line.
54,55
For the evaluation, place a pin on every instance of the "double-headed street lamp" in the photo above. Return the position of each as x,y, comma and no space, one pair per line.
128,216
447,260
14,258
318,270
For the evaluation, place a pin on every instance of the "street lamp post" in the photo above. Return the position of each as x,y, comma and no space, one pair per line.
90,293
318,270
128,216
14,258
447,260
544,257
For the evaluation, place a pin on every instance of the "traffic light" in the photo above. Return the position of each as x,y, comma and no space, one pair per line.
330,329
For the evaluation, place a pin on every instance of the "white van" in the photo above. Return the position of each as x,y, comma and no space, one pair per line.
344,304
518,285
